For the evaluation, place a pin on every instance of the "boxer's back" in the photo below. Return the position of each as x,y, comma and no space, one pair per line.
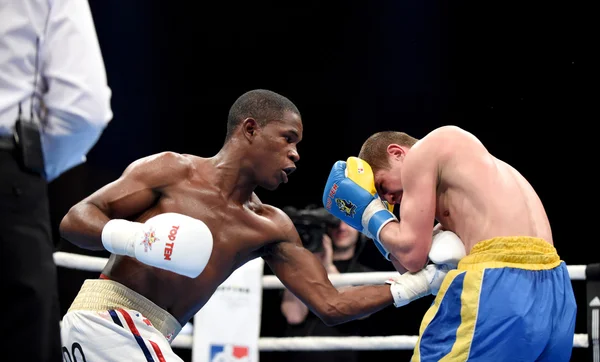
239,232
481,197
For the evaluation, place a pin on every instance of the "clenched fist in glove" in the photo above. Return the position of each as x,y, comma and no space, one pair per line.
446,251
169,241
350,195
412,286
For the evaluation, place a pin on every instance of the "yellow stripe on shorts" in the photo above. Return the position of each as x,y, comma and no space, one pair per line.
468,312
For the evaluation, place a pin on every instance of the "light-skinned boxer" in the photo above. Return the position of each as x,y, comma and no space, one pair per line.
511,296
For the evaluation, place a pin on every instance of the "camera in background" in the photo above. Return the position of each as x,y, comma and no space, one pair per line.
312,223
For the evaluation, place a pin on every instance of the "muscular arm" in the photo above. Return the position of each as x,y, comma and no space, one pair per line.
294,310
303,274
409,240
137,189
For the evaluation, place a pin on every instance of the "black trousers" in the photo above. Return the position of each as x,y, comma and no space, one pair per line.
30,322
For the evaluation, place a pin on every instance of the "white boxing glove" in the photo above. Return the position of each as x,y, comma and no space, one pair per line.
411,286
446,248
446,251
169,241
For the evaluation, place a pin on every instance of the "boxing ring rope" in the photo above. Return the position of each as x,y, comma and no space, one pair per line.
185,338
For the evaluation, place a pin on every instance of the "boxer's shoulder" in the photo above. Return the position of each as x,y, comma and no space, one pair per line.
437,148
265,211
168,159
157,171
449,139
275,221
448,131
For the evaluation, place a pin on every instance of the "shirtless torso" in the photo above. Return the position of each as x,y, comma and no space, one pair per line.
240,233
219,191
512,280
480,197
449,176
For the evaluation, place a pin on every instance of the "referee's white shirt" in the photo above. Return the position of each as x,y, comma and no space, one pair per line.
72,97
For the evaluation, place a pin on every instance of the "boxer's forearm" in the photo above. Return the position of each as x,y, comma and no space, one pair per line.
357,302
404,247
82,226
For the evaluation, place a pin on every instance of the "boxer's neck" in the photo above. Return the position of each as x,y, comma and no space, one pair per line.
234,173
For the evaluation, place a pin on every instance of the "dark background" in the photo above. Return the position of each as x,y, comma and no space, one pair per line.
512,73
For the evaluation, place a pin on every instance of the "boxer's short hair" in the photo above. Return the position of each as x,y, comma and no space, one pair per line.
374,149
262,105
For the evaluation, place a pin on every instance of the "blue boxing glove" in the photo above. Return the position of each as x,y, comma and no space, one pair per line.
350,196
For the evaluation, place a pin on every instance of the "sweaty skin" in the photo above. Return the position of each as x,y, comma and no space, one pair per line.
451,177
220,192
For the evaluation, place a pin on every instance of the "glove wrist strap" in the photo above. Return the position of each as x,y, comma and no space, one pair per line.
375,217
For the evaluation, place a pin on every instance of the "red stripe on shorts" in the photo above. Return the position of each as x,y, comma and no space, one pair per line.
129,321
135,331
158,352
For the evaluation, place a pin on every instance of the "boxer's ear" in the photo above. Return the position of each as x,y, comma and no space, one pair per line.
396,150
249,128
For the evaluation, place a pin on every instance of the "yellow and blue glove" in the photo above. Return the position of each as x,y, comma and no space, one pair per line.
350,196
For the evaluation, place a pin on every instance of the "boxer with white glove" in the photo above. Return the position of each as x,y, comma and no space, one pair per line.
170,241
446,251
350,195
446,248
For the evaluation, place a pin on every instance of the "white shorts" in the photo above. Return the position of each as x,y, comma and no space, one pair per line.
97,329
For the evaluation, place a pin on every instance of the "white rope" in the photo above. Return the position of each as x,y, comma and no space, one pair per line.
358,343
95,264
79,262
269,344
185,338
337,343
577,272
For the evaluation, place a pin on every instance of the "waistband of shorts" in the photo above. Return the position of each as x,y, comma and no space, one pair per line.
523,252
103,294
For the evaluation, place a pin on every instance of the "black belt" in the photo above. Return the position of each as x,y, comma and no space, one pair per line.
7,142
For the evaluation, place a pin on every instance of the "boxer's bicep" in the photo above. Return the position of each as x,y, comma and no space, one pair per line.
138,188
140,185
122,198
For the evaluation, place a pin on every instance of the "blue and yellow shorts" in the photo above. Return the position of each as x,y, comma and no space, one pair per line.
510,299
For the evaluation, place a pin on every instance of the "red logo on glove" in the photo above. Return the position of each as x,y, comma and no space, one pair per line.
332,192
169,246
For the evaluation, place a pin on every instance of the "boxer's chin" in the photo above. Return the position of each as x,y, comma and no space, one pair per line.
271,186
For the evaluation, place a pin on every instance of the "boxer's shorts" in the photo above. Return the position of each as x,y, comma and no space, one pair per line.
109,322
510,299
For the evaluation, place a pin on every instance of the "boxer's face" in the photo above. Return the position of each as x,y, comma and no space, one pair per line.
276,149
388,183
